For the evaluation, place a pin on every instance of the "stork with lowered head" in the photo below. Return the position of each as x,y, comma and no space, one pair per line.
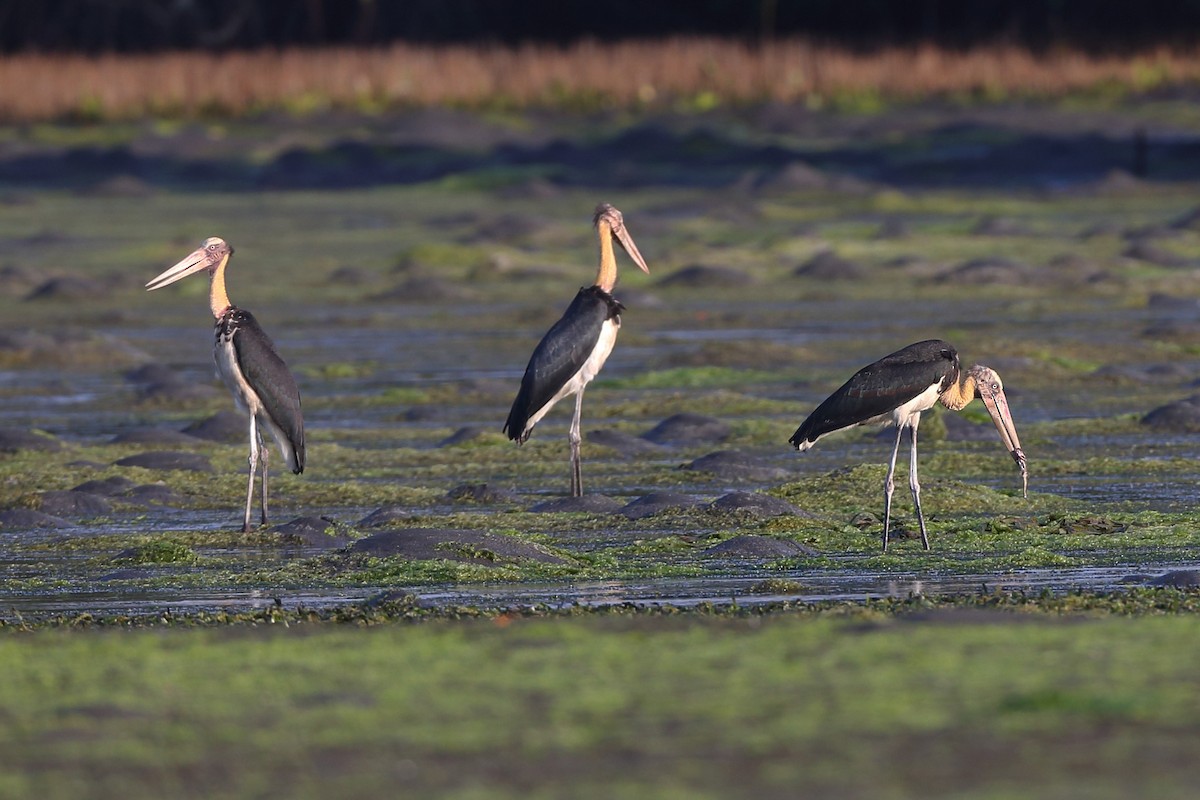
895,390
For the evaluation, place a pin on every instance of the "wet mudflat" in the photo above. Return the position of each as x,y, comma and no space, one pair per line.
406,266
716,617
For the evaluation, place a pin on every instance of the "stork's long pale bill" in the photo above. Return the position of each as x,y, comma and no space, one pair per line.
997,405
198,260
626,242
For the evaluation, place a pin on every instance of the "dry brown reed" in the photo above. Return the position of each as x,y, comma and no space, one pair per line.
624,74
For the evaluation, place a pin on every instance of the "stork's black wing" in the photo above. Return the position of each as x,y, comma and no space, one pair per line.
270,378
560,354
881,387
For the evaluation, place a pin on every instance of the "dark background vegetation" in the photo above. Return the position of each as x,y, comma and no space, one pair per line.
138,26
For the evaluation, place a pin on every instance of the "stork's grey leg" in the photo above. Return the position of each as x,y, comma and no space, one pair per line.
253,466
265,455
915,485
889,485
574,436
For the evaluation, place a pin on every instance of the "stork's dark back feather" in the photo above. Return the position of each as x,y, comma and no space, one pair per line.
561,353
879,388
267,375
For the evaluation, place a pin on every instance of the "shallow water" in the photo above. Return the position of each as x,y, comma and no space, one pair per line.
746,589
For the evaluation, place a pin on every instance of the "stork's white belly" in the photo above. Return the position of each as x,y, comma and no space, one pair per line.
227,369
248,401
909,414
589,370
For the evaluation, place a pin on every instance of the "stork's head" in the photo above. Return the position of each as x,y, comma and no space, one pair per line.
608,217
990,389
209,256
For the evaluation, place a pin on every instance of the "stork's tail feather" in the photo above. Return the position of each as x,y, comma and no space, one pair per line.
516,430
800,439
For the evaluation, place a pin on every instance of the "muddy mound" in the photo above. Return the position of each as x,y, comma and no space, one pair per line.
25,519
320,532
12,441
1179,578
992,271
796,176
658,503
736,465
107,487
688,428
464,435
224,426
1151,253
588,504
1180,416
152,494
72,503
350,276
829,266
472,547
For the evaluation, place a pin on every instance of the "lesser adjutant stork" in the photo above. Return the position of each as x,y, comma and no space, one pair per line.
896,389
261,383
576,347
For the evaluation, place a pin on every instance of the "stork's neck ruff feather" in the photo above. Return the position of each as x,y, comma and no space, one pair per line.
960,392
218,298
606,277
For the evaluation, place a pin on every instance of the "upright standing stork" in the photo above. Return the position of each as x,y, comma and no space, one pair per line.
576,347
895,390
261,383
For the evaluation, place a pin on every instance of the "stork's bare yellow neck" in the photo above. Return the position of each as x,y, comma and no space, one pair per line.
218,298
960,393
606,276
